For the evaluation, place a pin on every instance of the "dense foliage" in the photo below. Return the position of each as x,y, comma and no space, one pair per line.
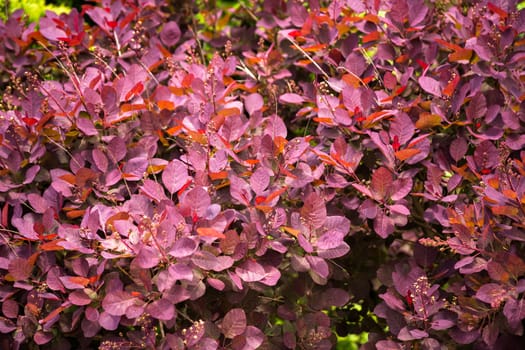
271,174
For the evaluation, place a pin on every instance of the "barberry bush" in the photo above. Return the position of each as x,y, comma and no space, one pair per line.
263,175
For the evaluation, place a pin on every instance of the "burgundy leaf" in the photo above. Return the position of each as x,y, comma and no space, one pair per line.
313,211
79,297
383,225
10,308
234,323
252,339
20,269
42,338
381,185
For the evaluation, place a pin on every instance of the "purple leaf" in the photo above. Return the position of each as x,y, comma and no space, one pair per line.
180,271
272,275
388,345
6,325
330,239
252,339
92,314
86,126
100,159
393,301
458,148
250,271
491,293
407,334
39,204
240,190
135,168
337,252
153,190
170,33
20,269
161,309
42,338
175,175
383,225
401,188
441,324
313,211
49,29
402,127
195,202
430,85
79,297
147,257
291,98
117,303
260,180
318,265
234,323
10,308
335,297
207,261
108,322
399,209
477,107
183,247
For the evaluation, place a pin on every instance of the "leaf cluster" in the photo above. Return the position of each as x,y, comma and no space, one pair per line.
271,174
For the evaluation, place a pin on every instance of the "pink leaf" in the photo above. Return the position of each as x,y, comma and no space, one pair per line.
253,103
291,98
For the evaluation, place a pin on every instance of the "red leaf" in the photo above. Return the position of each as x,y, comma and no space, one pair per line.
136,90
502,13
210,232
382,181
